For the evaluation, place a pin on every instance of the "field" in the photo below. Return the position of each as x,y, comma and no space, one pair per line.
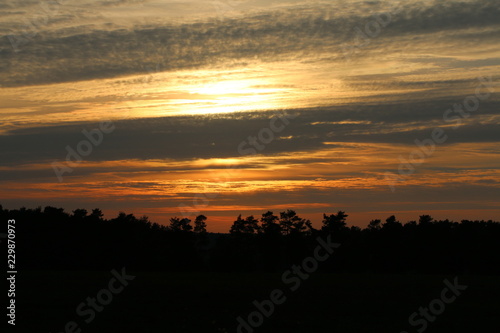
211,302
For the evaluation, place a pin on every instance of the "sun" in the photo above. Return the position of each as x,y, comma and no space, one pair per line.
242,94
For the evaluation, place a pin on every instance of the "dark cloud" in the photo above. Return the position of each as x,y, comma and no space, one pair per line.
90,52
189,137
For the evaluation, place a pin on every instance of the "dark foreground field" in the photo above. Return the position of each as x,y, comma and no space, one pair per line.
211,302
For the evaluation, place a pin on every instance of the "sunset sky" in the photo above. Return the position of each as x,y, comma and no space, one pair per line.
239,107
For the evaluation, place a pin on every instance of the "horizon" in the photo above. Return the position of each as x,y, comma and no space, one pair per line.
222,223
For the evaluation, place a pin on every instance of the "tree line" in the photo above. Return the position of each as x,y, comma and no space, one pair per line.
51,238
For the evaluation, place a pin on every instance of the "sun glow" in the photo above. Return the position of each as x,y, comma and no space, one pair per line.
241,94
254,87
224,88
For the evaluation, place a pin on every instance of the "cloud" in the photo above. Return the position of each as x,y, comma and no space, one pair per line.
192,137
84,52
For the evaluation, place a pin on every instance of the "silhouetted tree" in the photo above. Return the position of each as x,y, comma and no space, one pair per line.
145,221
177,224
199,224
374,224
291,223
79,214
124,218
56,214
425,219
96,215
238,226
248,225
391,223
251,225
334,222
270,224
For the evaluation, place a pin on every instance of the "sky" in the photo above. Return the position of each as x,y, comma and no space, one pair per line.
221,108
